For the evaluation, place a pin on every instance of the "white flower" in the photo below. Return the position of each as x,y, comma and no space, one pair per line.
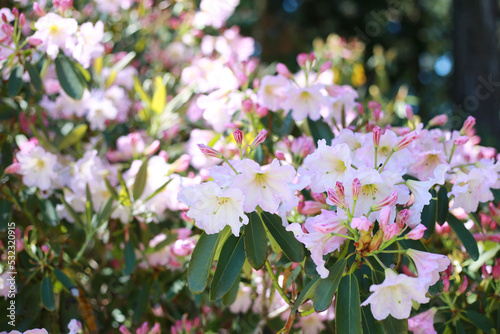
273,92
37,167
89,45
55,33
420,190
265,186
470,189
74,326
394,296
215,12
243,300
213,208
306,101
100,110
428,265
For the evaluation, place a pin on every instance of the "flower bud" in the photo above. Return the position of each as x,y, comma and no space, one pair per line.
384,215
326,66
318,197
446,282
361,109
45,248
310,208
459,141
461,289
409,112
38,10
7,29
247,105
261,137
362,223
302,59
406,141
261,111
388,201
484,271
13,169
376,136
311,57
256,84
15,12
238,136
356,188
403,217
439,120
417,233
279,155
495,271
4,18
283,70
211,152
22,20
391,231
468,125
376,241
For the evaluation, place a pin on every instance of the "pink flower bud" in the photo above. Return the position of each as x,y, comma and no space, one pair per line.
22,20
384,215
7,29
4,18
181,164
15,12
361,109
242,78
459,141
311,57
439,120
461,289
356,188
494,237
406,141
443,229
334,199
124,330
310,208
261,137
339,189
34,41
326,66
256,84
390,231
376,136
207,150
373,105
302,59
362,224
251,66
388,201
247,105
261,111
468,125
13,169
38,10
318,197
152,148
417,233
283,70
238,136
45,248
495,271
279,155
446,282
409,112
403,217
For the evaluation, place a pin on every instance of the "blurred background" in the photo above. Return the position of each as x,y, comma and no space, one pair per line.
441,56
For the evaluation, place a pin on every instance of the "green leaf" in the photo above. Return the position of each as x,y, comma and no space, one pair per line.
480,321
68,77
73,137
129,255
429,215
76,217
231,260
370,324
142,302
47,294
64,279
49,212
306,293
34,76
414,244
5,214
443,205
347,309
292,248
465,236
111,189
15,81
89,205
327,287
255,241
140,179
395,326
201,262
320,130
230,296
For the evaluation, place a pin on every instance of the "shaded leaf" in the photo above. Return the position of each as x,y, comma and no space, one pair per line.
68,77
320,130
395,326
140,180
47,294
255,241
15,81
465,236
292,248
326,288
34,76
443,206
129,255
73,137
480,321
201,262
347,308
49,212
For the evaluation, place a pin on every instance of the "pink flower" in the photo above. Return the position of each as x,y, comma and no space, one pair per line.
468,125
362,223
438,120
423,323
261,137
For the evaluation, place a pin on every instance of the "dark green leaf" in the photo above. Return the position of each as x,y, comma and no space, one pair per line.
414,244
15,81
142,302
201,262
255,241
347,309
306,293
140,180
34,76
47,294
310,267
465,236
370,324
111,189
68,77
49,212
293,249
230,296
64,279
73,137
395,326
443,205
129,255
320,130
231,260
460,328
429,215
327,287
5,214
480,321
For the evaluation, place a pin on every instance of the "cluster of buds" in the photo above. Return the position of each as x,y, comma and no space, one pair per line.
238,138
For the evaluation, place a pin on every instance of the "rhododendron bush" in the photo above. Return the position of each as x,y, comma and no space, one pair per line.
157,178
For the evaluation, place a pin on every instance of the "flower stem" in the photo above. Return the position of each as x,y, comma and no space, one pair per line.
386,160
229,164
276,284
